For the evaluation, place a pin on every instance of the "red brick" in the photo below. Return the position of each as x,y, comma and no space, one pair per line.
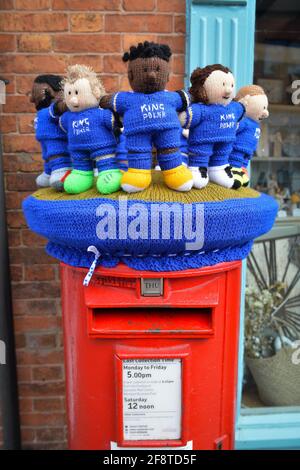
179,24
24,375
15,219
176,43
86,22
86,5
87,43
7,43
41,341
20,181
27,435
6,4
26,123
8,124
41,357
41,389
41,374
40,419
17,104
138,5
32,255
173,6
32,64
24,162
20,143
50,434
25,404
24,83
94,61
110,82
178,64
139,23
176,82
16,273
48,404
34,307
34,43
10,88
30,238
125,85
133,39
42,22
39,272
13,200
14,237
114,64
36,290
20,341
33,5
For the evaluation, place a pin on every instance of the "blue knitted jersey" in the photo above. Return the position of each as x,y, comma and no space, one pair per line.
52,139
213,122
148,112
247,136
90,129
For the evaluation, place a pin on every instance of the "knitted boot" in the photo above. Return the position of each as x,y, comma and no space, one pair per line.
109,181
246,179
43,180
222,175
58,177
135,179
178,178
200,177
238,174
78,181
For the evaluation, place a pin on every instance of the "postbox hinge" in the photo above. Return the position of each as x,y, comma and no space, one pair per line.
152,287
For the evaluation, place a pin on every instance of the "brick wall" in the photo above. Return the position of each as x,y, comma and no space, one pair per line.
43,36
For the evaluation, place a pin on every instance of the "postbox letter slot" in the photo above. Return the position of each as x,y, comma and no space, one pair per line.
143,322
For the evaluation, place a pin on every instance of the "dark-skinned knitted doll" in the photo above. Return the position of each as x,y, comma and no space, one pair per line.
90,133
212,120
57,162
150,118
248,132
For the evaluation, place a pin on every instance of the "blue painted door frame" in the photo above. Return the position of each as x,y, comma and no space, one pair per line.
222,31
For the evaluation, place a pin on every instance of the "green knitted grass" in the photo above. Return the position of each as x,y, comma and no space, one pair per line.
157,192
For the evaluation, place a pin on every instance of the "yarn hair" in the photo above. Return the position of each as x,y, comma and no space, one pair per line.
54,81
147,50
198,79
75,72
252,90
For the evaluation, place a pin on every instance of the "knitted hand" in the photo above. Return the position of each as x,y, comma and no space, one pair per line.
182,118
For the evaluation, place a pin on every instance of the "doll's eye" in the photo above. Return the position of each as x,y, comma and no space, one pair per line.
232,86
223,83
69,92
76,92
265,107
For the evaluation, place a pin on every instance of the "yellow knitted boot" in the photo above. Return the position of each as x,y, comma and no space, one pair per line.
134,180
246,179
179,178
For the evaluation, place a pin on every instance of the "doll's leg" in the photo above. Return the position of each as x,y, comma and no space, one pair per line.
219,170
43,180
109,176
246,179
236,161
82,176
138,176
175,174
198,163
60,168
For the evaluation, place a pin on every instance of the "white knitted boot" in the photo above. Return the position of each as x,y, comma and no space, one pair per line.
43,180
222,175
200,176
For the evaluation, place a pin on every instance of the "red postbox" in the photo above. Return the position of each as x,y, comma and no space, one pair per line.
151,357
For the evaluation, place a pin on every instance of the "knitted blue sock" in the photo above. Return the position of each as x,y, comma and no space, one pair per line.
167,161
141,161
236,159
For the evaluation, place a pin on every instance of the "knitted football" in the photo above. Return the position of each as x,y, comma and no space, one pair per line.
161,230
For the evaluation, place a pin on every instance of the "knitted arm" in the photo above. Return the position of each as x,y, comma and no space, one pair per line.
56,109
182,100
240,110
194,115
109,119
106,101
63,122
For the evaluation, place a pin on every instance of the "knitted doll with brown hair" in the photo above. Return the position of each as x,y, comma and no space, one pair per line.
90,133
248,132
150,118
212,120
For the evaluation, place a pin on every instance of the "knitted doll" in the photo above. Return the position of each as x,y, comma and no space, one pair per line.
248,132
150,118
57,162
90,133
212,120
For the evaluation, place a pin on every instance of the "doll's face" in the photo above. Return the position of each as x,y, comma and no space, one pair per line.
79,95
257,107
219,87
148,75
42,95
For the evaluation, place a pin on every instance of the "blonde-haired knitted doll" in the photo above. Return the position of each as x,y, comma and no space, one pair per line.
248,132
90,133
